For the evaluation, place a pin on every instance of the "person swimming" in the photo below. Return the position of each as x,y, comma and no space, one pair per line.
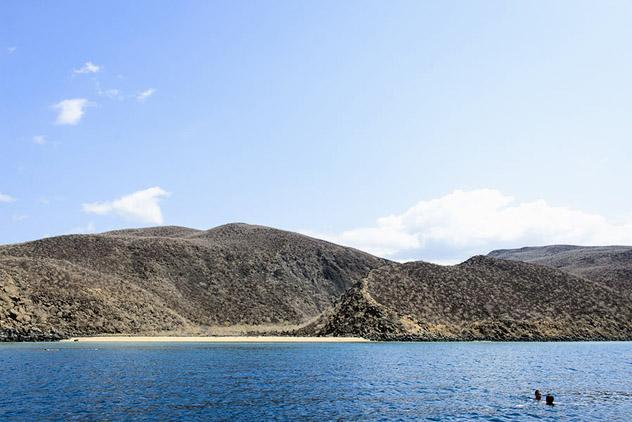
549,399
538,395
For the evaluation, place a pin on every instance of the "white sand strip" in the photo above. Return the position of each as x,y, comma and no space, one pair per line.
223,339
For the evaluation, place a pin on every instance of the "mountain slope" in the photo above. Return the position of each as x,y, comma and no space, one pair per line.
480,299
242,278
171,278
610,265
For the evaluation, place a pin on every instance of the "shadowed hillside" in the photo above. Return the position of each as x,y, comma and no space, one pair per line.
171,278
480,299
610,265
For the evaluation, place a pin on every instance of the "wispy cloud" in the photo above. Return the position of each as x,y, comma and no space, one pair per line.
6,198
39,139
88,67
19,217
70,111
140,206
46,200
464,223
111,93
142,96
87,229
11,49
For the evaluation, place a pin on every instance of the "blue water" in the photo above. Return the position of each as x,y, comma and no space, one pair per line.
376,381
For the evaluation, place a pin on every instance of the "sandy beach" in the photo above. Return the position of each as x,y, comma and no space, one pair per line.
218,339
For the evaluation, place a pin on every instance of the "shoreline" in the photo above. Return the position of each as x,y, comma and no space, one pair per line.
213,339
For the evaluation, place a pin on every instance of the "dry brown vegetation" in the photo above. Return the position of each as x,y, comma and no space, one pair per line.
480,299
240,279
610,265
171,279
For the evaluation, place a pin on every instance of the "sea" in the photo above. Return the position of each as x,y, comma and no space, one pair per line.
315,381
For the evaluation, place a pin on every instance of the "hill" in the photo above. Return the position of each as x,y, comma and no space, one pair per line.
240,278
481,299
610,265
171,279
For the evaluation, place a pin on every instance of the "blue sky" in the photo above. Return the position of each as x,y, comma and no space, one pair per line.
414,130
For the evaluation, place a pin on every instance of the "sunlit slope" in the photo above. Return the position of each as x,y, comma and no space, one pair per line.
480,299
171,278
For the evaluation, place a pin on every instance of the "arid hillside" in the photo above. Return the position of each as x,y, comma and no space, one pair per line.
480,299
610,265
241,278
171,279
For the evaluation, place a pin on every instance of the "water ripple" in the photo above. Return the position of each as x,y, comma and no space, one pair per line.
377,381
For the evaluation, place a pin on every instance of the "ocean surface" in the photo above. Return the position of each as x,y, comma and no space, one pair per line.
290,381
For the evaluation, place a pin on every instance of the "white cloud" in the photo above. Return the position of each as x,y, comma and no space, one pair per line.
6,198
139,206
70,111
39,139
19,217
11,49
145,94
464,223
88,67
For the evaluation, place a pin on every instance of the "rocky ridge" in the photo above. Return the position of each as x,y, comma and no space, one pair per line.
481,299
609,265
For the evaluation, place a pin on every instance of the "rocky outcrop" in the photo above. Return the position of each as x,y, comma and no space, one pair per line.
19,319
357,314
